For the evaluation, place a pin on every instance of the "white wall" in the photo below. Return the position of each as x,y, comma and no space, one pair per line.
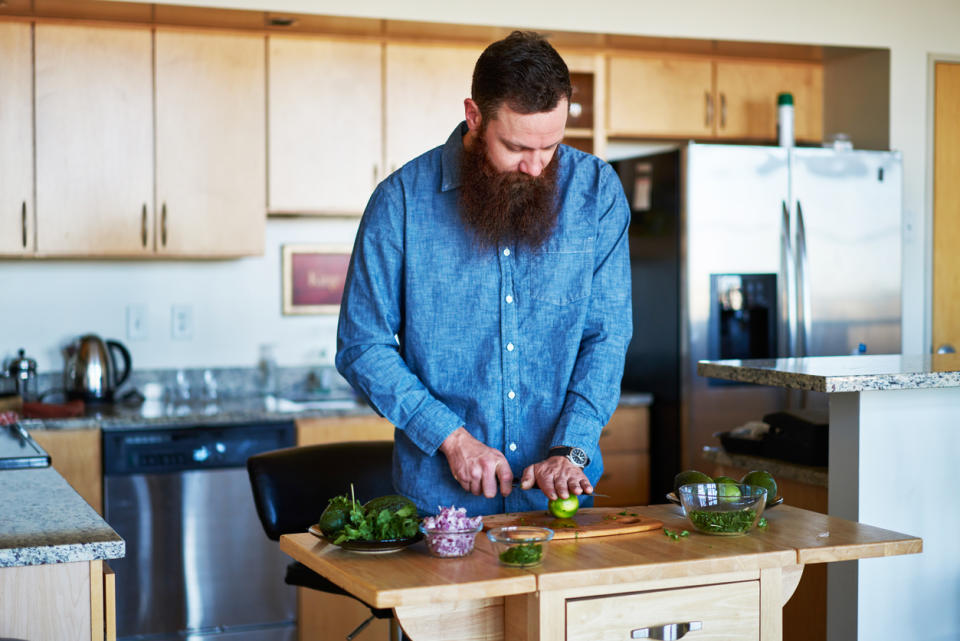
236,303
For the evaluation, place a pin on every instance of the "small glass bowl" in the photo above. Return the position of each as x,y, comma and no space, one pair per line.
520,546
450,544
724,509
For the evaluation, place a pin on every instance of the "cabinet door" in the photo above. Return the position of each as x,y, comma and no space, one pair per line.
726,612
16,129
94,119
324,137
211,143
426,87
669,97
747,96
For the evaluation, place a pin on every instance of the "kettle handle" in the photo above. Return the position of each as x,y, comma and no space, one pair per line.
126,361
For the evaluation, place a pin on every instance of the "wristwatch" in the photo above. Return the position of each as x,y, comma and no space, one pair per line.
574,454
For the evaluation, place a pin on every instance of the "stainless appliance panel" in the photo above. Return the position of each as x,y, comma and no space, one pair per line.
733,213
196,546
850,204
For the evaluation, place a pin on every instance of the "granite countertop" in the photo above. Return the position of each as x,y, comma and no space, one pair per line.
45,521
842,373
231,410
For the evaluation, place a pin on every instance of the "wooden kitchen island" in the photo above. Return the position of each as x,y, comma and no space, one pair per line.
605,587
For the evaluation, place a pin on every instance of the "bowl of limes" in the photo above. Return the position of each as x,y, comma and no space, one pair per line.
724,509
761,478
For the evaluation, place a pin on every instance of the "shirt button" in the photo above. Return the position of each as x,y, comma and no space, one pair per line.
506,252
509,347
513,447
511,395
509,298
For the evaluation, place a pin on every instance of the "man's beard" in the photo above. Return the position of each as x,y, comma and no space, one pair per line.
506,207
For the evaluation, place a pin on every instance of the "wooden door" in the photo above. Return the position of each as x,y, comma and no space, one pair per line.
16,132
747,99
94,128
325,138
211,143
660,96
425,89
946,207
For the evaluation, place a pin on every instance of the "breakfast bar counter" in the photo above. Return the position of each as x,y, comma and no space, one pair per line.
893,444
605,587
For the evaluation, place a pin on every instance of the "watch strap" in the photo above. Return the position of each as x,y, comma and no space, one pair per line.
575,455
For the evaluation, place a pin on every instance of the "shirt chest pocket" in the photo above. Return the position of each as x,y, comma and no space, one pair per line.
561,271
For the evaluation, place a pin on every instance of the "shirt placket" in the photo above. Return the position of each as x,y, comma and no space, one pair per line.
511,352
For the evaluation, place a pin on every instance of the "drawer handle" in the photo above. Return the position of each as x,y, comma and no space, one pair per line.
669,632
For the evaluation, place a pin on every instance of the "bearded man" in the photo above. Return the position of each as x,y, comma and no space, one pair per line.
486,312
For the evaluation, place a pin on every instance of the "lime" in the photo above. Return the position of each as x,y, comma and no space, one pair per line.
687,477
564,508
764,479
728,491
725,479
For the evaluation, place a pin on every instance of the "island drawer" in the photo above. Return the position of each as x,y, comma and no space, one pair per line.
724,612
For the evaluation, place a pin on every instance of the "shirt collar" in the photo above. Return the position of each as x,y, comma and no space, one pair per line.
452,153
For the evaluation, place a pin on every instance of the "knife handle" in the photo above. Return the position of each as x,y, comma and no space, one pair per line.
668,632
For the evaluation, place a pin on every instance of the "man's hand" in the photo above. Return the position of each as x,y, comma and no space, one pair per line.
476,466
556,476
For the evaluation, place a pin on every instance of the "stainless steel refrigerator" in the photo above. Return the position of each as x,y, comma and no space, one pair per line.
754,252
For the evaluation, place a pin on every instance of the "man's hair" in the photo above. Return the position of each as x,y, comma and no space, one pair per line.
522,71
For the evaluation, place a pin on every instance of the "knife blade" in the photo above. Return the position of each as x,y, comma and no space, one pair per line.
516,486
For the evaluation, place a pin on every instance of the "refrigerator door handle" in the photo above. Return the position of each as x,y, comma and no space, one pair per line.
788,311
804,319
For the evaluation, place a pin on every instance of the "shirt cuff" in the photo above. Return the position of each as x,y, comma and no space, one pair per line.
577,430
430,427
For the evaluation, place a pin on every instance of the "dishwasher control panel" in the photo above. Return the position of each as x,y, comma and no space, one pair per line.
157,450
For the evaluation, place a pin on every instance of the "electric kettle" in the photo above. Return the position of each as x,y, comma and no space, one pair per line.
90,372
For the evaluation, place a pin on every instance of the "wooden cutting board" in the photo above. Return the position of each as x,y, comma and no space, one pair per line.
588,521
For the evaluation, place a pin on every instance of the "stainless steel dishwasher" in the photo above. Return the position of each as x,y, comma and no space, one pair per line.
198,564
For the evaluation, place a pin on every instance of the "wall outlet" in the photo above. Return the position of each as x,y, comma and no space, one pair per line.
181,322
137,323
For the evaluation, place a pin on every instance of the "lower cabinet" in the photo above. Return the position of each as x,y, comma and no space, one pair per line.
331,616
76,455
60,601
625,445
728,611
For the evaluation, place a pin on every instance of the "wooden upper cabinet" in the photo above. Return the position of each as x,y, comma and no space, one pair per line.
710,99
747,99
16,144
660,97
211,149
325,139
425,89
94,140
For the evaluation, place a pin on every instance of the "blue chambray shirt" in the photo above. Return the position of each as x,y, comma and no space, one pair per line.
524,348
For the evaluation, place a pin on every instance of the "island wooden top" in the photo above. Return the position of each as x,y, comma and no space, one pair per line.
411,576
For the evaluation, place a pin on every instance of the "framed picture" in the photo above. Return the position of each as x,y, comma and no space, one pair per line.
313,278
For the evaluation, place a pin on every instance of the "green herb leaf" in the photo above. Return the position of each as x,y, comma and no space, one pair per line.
724,522
762,523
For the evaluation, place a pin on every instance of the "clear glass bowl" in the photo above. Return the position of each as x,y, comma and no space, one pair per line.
520,546
450,544
724,509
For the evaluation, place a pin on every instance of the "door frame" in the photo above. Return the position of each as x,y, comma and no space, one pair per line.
932,60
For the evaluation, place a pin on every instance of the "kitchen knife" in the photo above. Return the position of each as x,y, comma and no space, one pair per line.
516,486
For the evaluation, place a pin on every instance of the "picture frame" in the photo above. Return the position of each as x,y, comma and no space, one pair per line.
314,276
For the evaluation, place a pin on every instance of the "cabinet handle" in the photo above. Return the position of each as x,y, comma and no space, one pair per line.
708,108
143,225
723,110
163,225
376,174
23,223
669,632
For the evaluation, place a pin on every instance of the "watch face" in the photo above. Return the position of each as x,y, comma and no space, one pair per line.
578,457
